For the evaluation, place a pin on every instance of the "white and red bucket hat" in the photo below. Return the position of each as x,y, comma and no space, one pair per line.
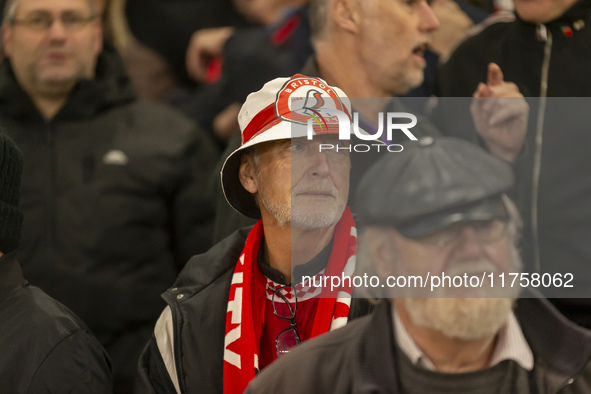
281,110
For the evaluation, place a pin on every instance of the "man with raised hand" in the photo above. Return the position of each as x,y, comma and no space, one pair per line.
235,309
542,49
442,211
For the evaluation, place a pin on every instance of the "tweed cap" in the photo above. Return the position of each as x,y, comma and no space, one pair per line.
433,183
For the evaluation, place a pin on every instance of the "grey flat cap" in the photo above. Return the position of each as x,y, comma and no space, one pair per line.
433,183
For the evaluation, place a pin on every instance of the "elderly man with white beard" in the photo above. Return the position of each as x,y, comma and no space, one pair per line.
442,211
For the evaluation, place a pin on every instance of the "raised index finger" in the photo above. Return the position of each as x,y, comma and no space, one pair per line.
495,75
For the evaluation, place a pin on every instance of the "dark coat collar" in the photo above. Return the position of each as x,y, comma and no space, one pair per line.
569,21
541,323
11,276
564,347
376,354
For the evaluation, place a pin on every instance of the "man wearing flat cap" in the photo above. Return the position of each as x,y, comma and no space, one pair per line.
45,348
442,211
236,308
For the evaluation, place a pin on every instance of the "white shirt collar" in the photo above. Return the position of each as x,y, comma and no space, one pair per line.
510,345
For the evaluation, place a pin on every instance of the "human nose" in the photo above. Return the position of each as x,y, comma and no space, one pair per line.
428,20
319,164
57,30
468,246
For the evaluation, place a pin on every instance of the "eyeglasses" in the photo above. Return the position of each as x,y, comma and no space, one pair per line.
43,22
485,231
289,337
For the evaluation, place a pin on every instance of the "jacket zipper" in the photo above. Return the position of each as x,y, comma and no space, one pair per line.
545,35
50,222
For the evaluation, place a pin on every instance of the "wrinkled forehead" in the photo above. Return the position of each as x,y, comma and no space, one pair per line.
25,7
329,138
300,141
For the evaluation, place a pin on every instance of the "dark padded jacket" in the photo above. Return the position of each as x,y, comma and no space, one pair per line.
45,348
115,201
360,357
198,301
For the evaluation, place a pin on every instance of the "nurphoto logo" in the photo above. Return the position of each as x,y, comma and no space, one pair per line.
311,104
322,118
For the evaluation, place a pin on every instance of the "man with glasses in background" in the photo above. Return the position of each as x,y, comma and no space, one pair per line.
113,192
235,309
441,211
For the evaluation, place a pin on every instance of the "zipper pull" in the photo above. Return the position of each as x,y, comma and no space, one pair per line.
541,33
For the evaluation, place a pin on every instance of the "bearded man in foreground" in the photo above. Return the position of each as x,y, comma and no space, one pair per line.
441,213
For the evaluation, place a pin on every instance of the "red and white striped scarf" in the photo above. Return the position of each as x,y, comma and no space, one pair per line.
246,304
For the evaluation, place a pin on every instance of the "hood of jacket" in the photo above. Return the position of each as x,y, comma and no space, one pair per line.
571,21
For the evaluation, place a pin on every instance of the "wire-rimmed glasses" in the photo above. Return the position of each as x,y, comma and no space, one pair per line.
289,337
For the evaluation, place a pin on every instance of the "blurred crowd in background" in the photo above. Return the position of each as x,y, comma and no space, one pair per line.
191,65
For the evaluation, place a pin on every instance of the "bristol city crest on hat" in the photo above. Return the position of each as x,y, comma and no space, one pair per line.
281,110
302,98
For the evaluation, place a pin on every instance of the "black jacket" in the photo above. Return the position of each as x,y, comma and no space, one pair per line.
198,301
554,202
360,357
45,348
518,48
114,197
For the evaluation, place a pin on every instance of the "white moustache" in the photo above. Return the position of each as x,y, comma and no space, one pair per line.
472,267
322,186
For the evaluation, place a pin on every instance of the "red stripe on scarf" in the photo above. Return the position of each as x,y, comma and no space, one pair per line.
245,314
341,251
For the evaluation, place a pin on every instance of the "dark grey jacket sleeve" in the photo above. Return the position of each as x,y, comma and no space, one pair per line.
78,364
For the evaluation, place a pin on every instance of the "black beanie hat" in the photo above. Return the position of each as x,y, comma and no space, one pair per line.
11,218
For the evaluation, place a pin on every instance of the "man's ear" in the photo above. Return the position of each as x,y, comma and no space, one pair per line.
247,173
346,14
98,38
381,249
6,40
